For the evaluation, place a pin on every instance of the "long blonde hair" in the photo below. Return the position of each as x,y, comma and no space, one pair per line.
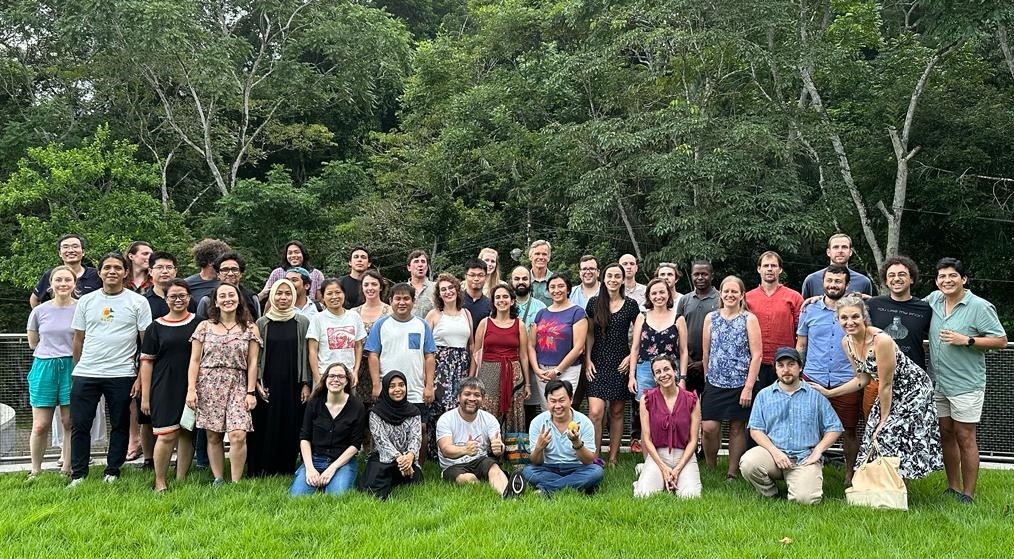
492,278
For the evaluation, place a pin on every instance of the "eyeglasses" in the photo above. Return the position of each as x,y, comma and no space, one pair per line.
474,275
589,269
177,297
228,270
164,268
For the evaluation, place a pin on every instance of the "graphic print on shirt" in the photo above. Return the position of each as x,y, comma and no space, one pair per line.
548,332
341,337
107,314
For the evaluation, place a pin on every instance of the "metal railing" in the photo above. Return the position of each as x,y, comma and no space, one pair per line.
994,432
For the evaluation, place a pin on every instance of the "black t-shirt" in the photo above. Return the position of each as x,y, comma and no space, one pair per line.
88,281
907,322
353,289
160,307
479,308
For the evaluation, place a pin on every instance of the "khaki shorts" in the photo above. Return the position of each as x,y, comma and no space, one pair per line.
965,408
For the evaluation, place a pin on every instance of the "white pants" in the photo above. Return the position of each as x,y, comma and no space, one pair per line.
688,484
571,374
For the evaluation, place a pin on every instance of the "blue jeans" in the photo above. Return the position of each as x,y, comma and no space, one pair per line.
343,480
551,478
645,380
201,448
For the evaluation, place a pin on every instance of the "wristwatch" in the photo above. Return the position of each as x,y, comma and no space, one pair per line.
971,341
251,392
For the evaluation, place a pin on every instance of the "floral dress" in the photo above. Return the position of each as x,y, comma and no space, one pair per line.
222,379
912,432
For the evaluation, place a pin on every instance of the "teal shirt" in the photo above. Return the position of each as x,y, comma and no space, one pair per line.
957,370
540,288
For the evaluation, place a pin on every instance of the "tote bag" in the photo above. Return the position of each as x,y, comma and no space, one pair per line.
877,483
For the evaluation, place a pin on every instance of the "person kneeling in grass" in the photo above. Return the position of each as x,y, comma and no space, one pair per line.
793,425
562,454
332,434
469,441
396,427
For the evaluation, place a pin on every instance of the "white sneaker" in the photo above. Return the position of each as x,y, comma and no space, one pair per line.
75,482
110,478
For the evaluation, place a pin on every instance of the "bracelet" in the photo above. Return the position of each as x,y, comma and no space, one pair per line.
578,447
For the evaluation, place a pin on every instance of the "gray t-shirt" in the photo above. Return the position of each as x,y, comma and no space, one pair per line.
111,324
53,324
695,308
452,425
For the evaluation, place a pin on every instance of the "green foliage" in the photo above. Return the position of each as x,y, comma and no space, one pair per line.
97,189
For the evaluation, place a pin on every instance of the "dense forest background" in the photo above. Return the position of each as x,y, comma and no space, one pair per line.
671,130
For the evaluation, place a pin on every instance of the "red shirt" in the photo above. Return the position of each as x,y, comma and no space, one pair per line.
778,315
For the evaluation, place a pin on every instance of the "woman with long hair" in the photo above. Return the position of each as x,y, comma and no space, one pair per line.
283,383
222,379
370,311
331,435
294,254
903,419
492,260
452,332
51,337
607,356
670,421
732,352
396,429
557,338
165,360
503,364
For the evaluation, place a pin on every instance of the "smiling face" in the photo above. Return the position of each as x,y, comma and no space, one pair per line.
557,290
71,251
665,375
293,255
899,280
334,298
701,276
769,270
539,257
448,294
397,389
112,272
283,298
502,300
336,380
229,272
559,404
834,285
851,320
629,264
589,273
227,298
359,261
489,257
659,295
371,288
613,278
839,250
469,400
731,294
950,281
163,272
401,306
62,282
177,298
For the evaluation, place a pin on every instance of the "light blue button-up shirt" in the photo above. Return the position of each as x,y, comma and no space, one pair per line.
826,362
560,449
794,422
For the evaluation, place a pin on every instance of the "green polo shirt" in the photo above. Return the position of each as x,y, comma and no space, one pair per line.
540,288
955,369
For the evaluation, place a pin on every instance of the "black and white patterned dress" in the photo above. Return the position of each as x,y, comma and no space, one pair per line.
911,432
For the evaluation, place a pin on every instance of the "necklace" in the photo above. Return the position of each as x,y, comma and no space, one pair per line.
228,329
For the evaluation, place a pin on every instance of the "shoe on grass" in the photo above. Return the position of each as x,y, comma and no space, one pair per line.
635,446
515,486
110,478
951,492
218,482
75,482
966,499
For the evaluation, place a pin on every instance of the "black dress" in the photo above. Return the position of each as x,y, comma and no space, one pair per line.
610,347
274,443
167,345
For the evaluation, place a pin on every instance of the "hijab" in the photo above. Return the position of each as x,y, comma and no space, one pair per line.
276,314
392,412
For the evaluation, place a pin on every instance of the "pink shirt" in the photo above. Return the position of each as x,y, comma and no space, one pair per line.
669,430
778,315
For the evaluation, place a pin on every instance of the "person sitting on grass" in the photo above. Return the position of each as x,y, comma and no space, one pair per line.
396,427
469,442
670,421
563,451
332,434
793,425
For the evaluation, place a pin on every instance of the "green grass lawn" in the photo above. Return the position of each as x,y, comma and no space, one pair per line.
256,518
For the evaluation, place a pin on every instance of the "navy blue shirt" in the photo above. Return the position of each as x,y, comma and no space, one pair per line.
478,308
814,283
88,281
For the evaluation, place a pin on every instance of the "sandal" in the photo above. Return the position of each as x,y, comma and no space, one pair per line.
135,455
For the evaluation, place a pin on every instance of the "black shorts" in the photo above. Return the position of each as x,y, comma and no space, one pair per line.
479,468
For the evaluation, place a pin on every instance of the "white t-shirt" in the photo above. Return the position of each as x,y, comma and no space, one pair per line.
111,324
403,346
336,337
452,425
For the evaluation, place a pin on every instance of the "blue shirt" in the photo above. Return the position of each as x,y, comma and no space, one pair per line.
795,422
402,346
814,283
560,449
826,362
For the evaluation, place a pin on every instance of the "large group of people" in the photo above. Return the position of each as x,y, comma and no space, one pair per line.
487,373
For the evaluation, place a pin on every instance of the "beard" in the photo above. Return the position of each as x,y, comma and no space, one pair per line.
522,290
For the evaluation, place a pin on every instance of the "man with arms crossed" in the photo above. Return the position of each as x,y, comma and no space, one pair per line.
793,425
469,443
963,328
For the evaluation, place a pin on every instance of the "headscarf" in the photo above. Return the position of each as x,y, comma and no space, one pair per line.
392,412
276,314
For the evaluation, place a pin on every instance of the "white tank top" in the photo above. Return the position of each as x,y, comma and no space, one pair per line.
452,331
